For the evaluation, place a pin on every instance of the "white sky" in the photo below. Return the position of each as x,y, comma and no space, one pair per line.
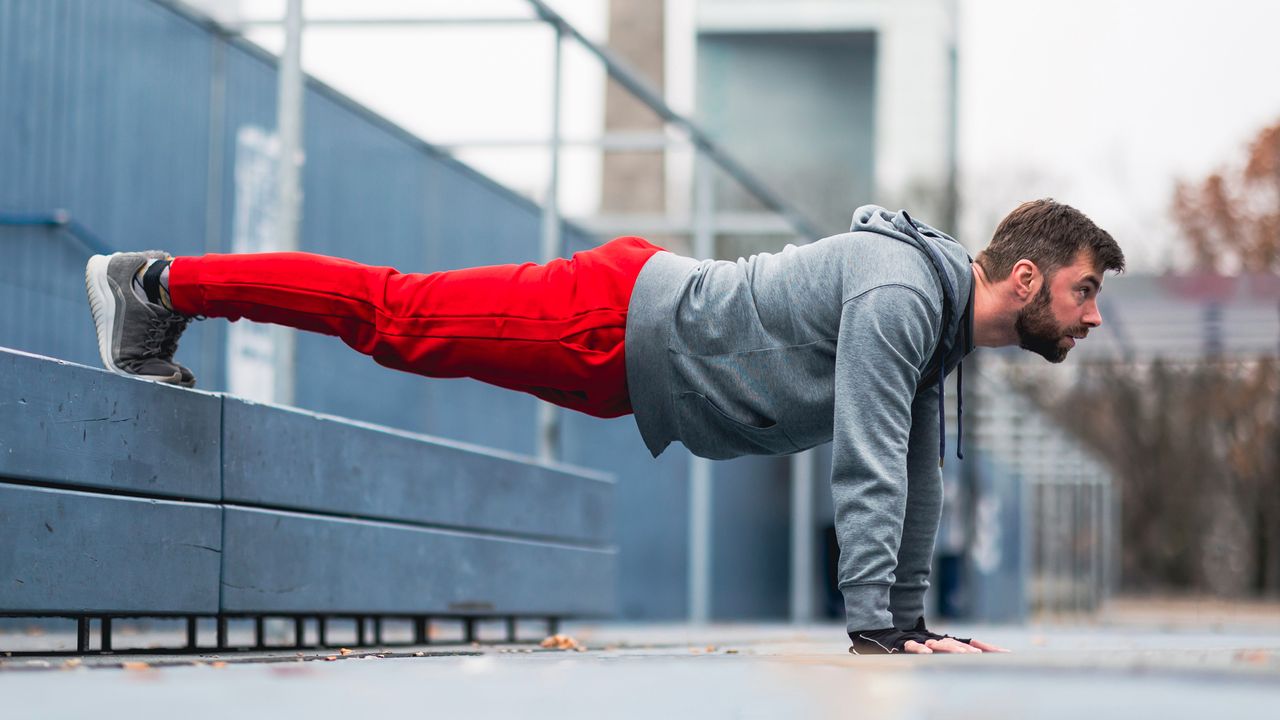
1105,103
1099,103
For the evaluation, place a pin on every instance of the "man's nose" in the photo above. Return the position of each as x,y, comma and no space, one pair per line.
1093,315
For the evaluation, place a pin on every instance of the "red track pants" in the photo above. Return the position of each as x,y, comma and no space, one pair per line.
555,330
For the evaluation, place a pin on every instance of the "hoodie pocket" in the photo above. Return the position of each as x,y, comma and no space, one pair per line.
711,433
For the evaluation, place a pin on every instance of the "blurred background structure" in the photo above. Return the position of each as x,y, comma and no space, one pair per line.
435,136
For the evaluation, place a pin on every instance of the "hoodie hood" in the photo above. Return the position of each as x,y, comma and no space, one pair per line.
954,268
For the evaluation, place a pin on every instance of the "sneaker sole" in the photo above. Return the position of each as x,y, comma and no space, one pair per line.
102,305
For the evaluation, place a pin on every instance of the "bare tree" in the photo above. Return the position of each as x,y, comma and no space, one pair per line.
1231,218
1194,446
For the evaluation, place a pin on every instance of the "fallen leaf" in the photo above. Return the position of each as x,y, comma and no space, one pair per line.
731,652
1253,657
135,666
73,663
419,654
344,651
218,664
561,642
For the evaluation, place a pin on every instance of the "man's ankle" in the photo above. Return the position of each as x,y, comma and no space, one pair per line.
153,280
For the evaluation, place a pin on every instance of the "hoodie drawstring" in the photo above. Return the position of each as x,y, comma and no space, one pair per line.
942,421
960,410
949,298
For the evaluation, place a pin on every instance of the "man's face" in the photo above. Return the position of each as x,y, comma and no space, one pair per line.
1064,310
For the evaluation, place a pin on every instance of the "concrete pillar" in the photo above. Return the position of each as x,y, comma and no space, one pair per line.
634,181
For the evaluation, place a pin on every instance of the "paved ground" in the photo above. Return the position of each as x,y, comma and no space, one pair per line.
1133,663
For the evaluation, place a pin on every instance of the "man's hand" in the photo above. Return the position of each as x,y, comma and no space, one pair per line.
919,640
947,644
950,645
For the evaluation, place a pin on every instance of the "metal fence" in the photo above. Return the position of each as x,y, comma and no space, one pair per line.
1066,501
1071,553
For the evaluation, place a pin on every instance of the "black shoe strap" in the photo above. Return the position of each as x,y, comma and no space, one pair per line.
151,280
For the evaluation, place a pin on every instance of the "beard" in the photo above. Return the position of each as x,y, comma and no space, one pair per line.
1039,332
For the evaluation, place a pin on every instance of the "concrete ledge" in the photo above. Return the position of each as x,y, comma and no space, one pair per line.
66,551
303,513
67,424
281,562
284,458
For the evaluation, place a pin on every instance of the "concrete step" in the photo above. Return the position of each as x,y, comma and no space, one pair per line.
125,497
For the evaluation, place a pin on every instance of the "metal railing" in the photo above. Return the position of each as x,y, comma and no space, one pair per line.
617,69
59,220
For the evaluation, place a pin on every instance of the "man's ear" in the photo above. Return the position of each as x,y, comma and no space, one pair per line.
1026,278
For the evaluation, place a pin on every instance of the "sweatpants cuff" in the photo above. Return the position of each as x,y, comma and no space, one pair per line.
907,606
184,284
866,606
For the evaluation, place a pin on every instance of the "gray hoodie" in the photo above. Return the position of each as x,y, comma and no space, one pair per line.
836,341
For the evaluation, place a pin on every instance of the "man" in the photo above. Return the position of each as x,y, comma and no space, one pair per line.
845,340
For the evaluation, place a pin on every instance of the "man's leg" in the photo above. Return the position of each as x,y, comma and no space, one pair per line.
555,330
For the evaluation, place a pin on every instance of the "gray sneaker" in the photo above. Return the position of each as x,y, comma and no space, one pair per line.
135,337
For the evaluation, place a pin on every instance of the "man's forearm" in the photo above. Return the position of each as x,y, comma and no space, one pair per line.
924,509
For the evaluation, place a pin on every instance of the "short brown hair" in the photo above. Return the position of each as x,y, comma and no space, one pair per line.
1050,235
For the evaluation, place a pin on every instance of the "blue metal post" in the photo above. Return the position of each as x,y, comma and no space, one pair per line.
700,471
548,415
